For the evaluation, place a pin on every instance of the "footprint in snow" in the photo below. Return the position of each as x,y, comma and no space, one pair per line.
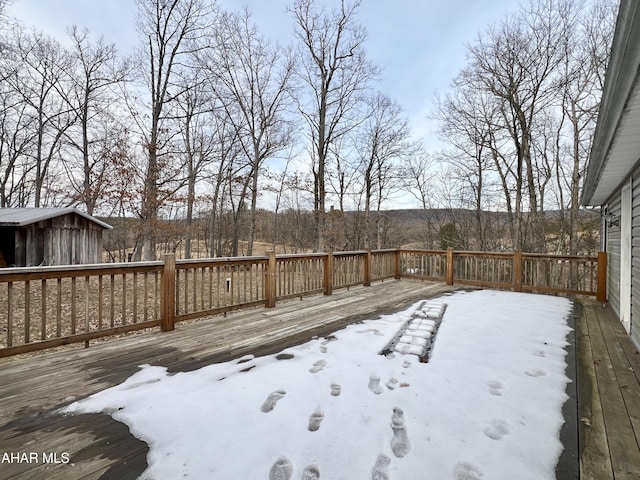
317,366
495,388
281,470
400,444
336,389
375,331
466,471
374,384
315,420
536,372
381,468
392,383
270,403
497,430
311,473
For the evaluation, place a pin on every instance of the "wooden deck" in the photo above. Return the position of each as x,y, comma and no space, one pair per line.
32,388
602,416
608,367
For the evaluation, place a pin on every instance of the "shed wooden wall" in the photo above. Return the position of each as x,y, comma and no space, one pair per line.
65,240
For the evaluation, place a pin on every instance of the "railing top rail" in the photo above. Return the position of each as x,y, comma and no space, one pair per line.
199,262
353,253
470,253
419,250
560,257
29,273
296,256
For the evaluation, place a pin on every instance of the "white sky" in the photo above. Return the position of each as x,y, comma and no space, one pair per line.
420,44
488,405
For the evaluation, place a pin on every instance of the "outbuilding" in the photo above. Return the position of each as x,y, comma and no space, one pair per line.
49,236
613,176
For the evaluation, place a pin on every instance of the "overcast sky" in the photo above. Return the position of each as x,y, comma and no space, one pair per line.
419,44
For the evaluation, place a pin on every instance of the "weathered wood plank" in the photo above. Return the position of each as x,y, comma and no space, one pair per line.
624,371
595,463
623,447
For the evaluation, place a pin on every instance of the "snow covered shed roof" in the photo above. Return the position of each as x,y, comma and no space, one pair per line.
20,217
616,141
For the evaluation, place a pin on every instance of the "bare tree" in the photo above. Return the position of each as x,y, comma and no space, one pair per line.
16,137
583,67
40,81
169,30
383,140
197,120
517,63
335,73
527,103
469,122
93,70
251,79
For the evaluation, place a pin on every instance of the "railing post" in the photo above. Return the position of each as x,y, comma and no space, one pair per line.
449,266
396,266
168,299
601,293
328,274
270,280
367,269
517,270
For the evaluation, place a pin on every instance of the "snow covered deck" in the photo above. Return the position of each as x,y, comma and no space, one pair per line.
31,388
606,416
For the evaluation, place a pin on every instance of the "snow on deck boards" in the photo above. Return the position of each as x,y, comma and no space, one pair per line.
608,368
32,388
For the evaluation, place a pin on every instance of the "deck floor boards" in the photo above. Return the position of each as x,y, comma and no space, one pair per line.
609,397
34,387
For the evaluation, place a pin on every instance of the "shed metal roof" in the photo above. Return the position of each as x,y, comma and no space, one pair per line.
20,217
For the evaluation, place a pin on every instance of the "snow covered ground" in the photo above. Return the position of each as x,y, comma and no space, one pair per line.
486,406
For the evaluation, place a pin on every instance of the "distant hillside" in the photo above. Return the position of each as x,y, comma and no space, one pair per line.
446,215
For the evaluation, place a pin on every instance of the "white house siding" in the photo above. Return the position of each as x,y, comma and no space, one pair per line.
613,251
635,258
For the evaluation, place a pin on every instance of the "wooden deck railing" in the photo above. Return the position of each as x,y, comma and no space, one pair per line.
45,307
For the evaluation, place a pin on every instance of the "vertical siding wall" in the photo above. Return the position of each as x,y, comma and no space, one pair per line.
65,240
635,258
613,249
73,240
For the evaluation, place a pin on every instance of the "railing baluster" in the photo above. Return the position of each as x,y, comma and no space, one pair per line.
43,310
86,304
9,314
124,299
59,307
202,288
73,305
112,302
145,305
100,306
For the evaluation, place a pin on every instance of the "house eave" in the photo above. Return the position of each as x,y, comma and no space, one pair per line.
616,144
